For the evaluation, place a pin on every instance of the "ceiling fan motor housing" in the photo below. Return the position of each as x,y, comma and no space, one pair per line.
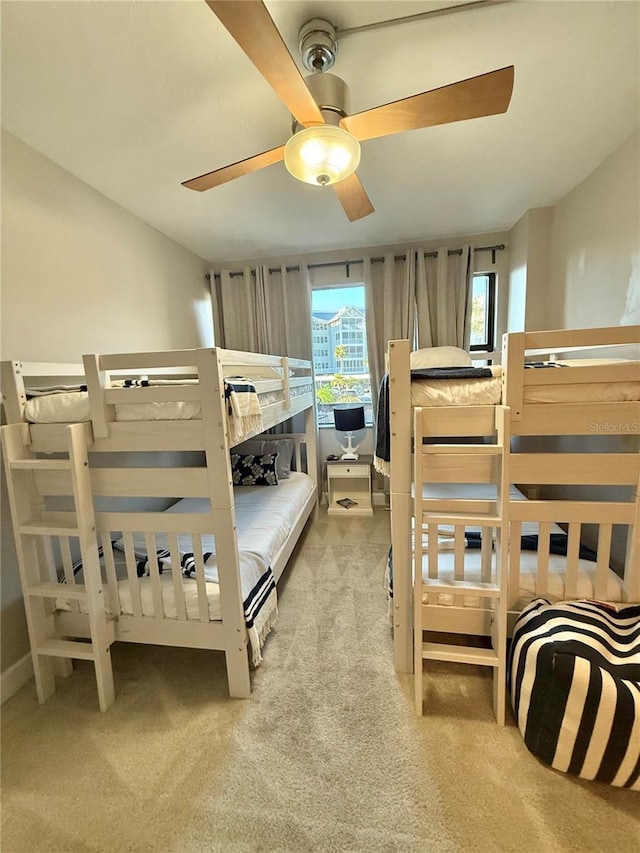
331,94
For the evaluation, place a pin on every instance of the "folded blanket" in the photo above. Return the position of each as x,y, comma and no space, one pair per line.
243,408
557,545
53,389
545,364
382,453
143,382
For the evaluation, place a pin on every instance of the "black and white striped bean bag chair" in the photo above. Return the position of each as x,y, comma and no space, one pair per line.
574,678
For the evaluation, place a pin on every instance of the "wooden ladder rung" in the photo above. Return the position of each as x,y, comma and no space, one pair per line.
453,587
66,649
43,464
48,528
459,654
462,449
69,591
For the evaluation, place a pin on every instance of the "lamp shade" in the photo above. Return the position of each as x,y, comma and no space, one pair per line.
322,155
348,418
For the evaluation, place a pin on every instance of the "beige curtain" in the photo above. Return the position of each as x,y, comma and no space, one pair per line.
390,294
234,309
263,310
443,298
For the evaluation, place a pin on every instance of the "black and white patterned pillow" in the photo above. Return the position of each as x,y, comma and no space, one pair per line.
254,470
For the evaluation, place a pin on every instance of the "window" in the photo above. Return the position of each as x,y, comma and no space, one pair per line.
483,300
340,357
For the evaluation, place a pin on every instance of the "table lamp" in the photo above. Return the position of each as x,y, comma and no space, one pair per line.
349,419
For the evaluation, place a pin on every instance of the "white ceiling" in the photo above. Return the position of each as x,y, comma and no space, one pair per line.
135,97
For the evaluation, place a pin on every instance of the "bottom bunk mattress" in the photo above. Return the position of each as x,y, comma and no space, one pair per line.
265,517
574,679
531,581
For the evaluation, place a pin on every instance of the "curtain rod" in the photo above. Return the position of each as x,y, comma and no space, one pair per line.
493,249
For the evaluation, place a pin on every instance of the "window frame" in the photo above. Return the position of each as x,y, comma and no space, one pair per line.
490,343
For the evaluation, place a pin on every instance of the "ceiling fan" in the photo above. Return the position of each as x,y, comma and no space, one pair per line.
325,146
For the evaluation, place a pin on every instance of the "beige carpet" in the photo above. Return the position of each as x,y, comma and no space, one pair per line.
327,755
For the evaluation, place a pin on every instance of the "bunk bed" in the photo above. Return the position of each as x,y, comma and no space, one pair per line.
140,517
459,491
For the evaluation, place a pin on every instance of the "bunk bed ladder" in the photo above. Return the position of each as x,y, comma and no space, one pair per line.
468,513
35,530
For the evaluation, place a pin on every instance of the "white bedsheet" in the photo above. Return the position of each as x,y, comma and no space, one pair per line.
556,590
73,407
264,517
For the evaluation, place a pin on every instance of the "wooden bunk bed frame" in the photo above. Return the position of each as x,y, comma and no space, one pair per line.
86,464
415,607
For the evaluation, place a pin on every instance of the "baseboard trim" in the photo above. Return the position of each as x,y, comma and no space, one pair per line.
15,677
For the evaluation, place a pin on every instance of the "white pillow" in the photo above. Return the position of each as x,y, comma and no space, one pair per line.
440,357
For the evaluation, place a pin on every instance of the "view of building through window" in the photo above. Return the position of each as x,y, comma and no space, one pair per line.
482,302
340,350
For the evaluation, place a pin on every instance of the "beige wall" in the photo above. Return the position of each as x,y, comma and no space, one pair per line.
577,264
80,274
529,257
518,260
538,274
593,279
595,246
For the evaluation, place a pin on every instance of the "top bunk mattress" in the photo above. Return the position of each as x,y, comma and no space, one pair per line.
487,390
73,407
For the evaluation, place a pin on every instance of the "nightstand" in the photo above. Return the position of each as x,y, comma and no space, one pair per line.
352,480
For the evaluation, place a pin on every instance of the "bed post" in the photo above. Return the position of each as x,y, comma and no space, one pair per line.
400,429
97,380
216,446
14,396
632,563
512,373
310,426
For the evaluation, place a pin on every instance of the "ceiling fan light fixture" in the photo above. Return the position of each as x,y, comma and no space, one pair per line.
322,155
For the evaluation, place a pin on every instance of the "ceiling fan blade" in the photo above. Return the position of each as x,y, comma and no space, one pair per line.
354,200
252,27
485,95
235,170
